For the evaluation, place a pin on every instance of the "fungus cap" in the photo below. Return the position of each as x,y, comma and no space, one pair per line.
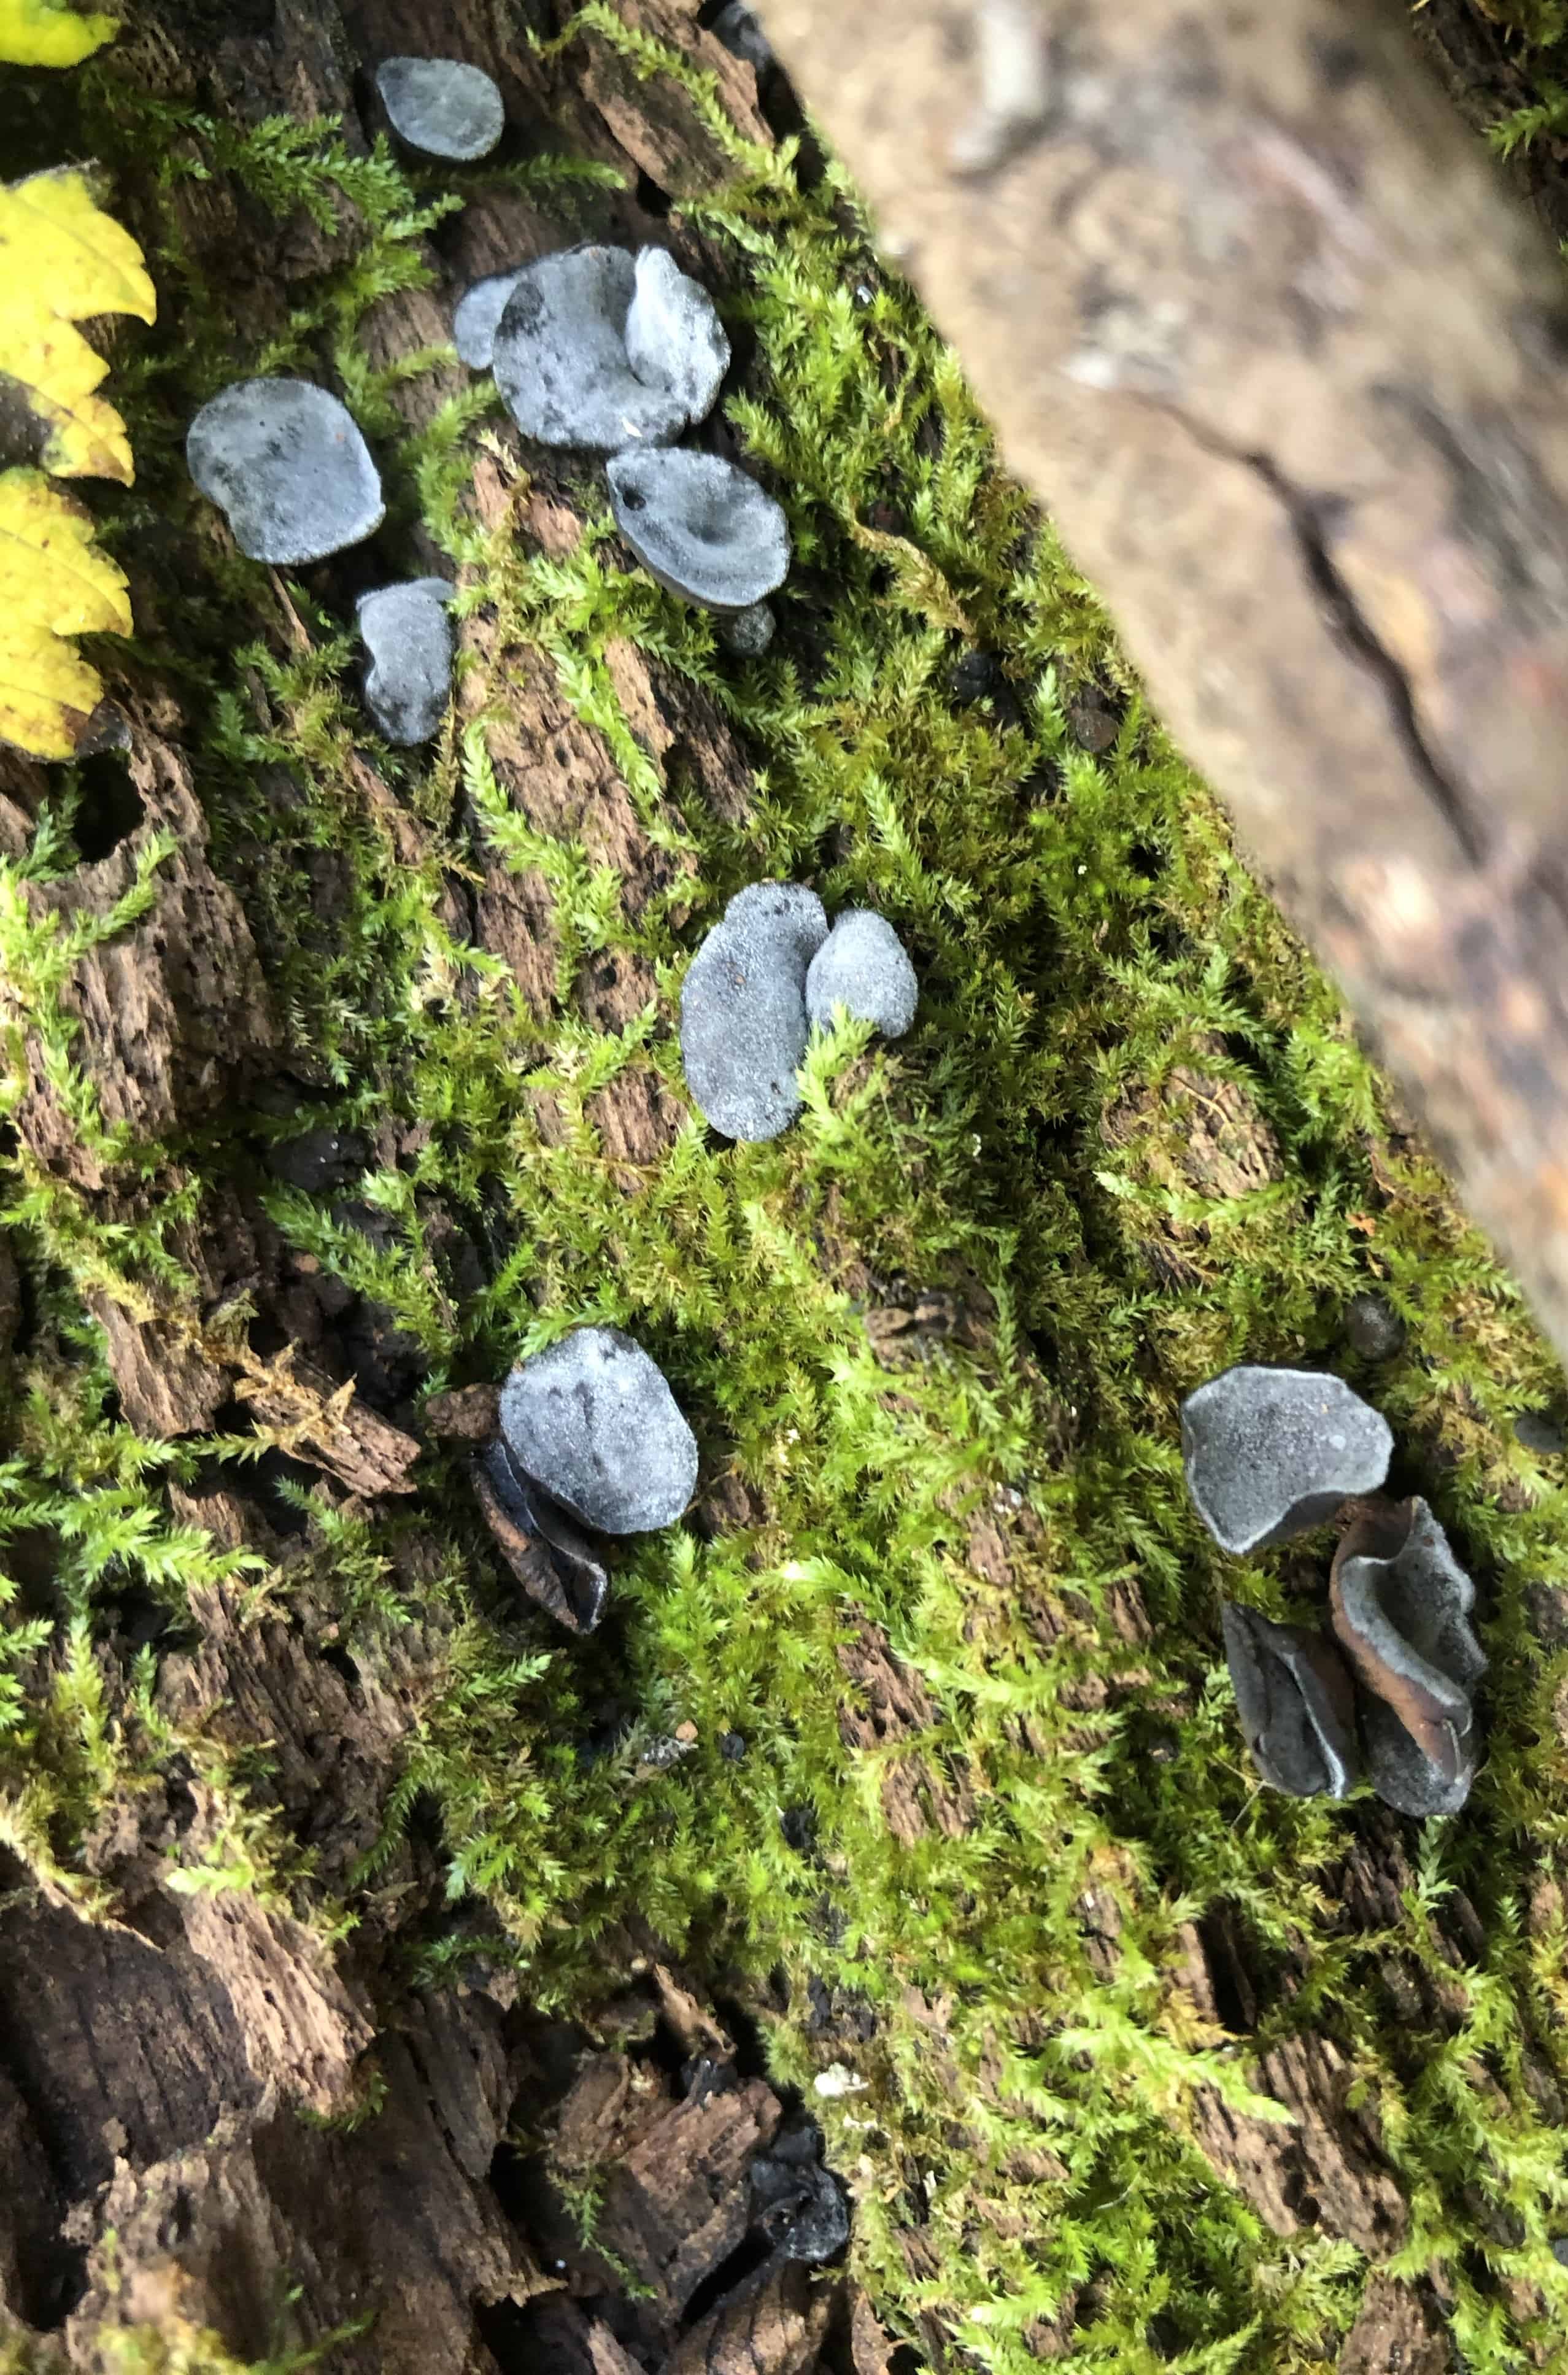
863,966
559,354
1270,1453
477,316
592,1421
700,526
286,461
743,1026
441,107
409,636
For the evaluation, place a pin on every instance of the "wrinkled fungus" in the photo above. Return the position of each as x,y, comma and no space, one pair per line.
592,1421
1273,1452
1296,1703
441,107
743,1026
864,967
554,1564
561,356
674,337
700,526
409,636
286,463
795,2202
1401,1605
476,317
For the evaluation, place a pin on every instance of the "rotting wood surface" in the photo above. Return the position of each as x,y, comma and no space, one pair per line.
1290,367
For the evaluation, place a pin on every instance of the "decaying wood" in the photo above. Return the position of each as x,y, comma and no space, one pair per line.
1399,2332
1325,2171
168,1015
774,2324
1290,368
674,2207
889,1703
164,2072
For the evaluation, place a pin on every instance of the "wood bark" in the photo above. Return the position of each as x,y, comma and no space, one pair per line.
1288,366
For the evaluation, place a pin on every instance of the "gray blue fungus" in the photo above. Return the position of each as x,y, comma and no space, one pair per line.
592,1421
1401,1605
476,317
441,107
700,526
863,966
1270,1455
596,349
407,634
743,1022
746,1015
286,464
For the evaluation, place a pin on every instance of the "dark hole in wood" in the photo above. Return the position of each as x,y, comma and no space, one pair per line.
111,807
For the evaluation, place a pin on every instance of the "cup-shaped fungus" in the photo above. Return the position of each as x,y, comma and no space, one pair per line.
562,361
555,1563
1296,1702
476,317
864,967
674,337
286,463
1270,1453
699,526
409,636
1401,1604
743,1026
441,107
593,1421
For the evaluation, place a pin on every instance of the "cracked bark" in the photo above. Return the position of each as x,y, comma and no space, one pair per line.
1256,316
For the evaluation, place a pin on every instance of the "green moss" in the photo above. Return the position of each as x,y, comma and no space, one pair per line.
1083,930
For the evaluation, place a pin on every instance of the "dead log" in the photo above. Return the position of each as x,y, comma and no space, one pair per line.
1290,367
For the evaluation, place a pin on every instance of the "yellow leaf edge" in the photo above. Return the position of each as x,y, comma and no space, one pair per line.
55,583
40,33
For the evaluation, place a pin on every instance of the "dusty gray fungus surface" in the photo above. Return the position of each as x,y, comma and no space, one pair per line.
409,636
284,460
700,526
1296,1702
441,107
674,337
476,317
864,967
743,1025
1270,1453
562,363
593,1421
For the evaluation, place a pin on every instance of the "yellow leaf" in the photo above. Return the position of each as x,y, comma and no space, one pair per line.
42,34
54,584
63,258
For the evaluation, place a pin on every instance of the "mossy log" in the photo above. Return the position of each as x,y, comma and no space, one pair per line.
1256,319
230,2127
217,2142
